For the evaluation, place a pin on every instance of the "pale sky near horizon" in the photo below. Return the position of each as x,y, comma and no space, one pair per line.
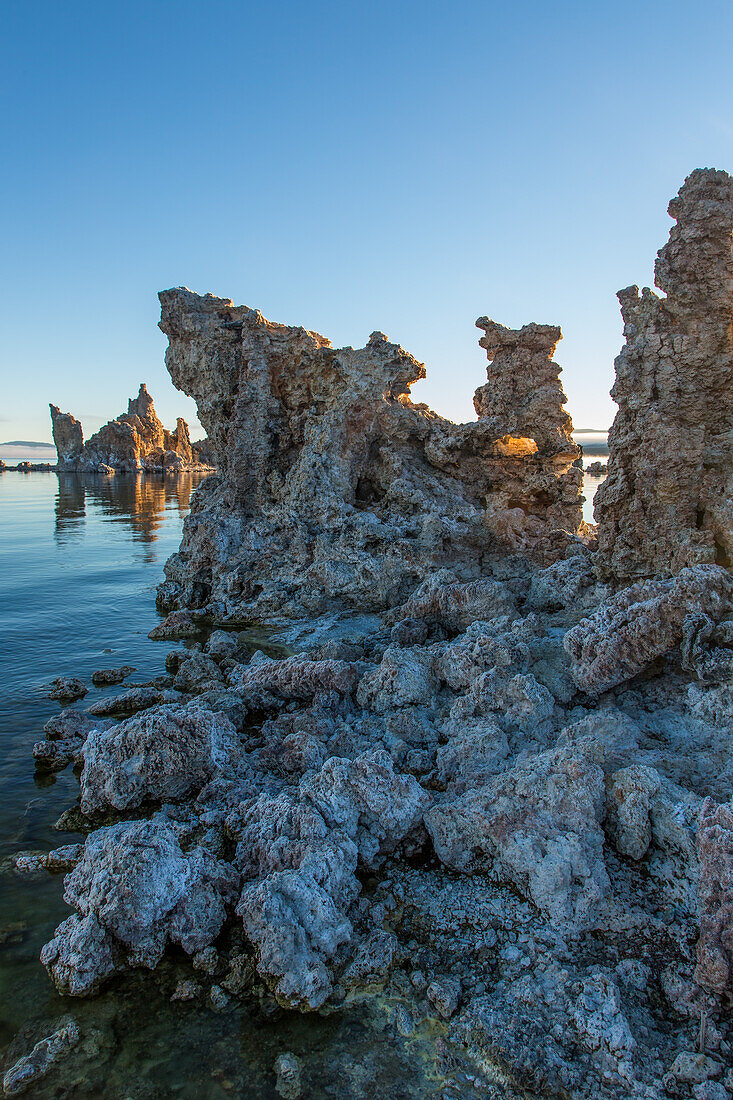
399,166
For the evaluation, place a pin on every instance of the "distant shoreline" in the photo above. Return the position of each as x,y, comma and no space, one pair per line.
28,443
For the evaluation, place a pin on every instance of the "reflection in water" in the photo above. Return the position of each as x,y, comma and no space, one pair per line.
139,500
70,507
590,485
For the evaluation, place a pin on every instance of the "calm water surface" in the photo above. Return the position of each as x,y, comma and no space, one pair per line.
79,562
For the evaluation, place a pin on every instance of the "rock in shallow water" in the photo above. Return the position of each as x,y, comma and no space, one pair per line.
30,1069
136,440
162,755
67,689
134,889
304,848
104,676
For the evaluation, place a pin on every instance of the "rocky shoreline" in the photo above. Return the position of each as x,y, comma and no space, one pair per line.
479,774
29,467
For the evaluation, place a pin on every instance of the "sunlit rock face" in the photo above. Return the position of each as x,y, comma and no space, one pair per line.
68,436
334,488
523,396
667,501
136,440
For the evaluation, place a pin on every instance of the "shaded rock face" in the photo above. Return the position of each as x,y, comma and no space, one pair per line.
715,947
666,502
646,620
334,487
136,440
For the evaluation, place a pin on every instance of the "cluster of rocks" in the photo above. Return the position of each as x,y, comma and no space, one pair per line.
135,441
488,808
28,467
334,490
473,772
597,468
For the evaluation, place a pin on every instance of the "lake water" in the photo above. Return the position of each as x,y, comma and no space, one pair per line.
79,562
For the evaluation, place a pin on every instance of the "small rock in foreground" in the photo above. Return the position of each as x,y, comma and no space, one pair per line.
32,1067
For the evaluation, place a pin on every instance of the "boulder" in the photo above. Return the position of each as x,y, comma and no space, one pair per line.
163,755
630,630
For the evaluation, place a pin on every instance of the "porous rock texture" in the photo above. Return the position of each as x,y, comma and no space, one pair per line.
643,622
134,890
715,949
481,800
666,502
304,852
165,753
440,809
334,489
542,821
136,440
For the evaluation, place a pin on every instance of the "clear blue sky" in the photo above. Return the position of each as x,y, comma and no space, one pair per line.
404,166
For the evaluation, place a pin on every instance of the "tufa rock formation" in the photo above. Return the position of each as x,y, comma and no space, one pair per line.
68,437
334,488
666,503
492,820
136,440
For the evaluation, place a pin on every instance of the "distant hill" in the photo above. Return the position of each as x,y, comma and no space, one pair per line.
26,443
590,431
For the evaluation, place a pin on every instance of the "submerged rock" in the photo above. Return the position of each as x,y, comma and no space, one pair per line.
28,1070
287,1070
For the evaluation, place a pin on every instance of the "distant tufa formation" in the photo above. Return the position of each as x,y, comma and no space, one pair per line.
136,440
667,501
334,487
